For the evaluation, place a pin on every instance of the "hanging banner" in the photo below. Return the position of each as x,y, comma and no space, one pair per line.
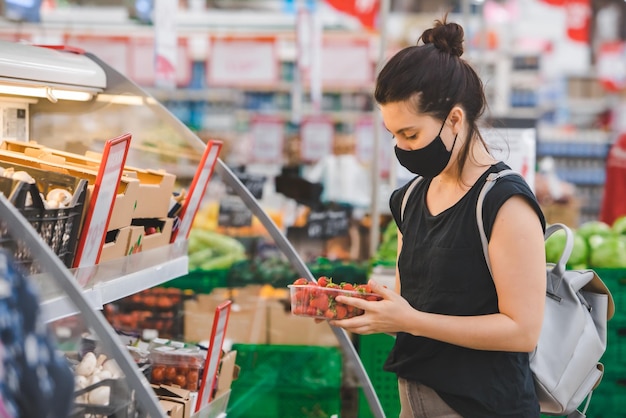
346,63
267,134
611,66
316,136
243,62
166,42
578,19
365,11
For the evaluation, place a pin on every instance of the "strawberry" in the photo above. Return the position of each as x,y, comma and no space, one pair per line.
323,281
301,281
347,286
341,311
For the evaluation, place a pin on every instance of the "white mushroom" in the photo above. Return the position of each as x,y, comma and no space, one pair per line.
87,365
23,176
100,395
62,196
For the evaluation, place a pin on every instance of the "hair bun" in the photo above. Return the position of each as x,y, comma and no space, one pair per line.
446,37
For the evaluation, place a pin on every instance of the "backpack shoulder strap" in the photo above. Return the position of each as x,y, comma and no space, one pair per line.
489,183
407,193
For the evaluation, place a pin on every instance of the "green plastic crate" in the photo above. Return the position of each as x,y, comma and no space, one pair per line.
305,368
200,281
262,402
373,351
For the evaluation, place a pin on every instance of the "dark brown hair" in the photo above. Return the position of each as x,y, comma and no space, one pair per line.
434,78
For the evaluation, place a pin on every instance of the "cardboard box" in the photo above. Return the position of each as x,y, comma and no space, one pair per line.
567,213
155,186
287,329
228,372
171,409
116,244
246,323
127,191
157,239
176,395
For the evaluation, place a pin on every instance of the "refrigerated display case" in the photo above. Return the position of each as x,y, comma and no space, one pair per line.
70,100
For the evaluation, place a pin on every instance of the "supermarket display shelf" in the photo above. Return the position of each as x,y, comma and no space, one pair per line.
216,408
115,279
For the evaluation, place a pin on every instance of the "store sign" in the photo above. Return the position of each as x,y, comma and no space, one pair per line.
316,134
243,62
101,202
110,49
611,66
142,53
267,137
346,63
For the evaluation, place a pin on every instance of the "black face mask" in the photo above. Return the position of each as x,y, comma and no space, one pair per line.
429,161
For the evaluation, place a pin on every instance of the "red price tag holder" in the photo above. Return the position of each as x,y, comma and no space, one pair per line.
101,203
196,190
214,355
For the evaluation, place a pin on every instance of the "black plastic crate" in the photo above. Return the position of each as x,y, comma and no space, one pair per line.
120,401
59,228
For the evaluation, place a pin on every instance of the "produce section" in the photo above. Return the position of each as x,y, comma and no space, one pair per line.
138,250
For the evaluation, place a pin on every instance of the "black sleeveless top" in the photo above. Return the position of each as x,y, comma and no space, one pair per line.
443,270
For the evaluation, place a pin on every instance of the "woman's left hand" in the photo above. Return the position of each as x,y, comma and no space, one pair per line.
383,316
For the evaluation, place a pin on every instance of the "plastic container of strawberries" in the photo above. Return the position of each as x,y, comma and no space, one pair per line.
315,301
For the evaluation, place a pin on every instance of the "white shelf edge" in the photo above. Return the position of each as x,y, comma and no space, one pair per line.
116,279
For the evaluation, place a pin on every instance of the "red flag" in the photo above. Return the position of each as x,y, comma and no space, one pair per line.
364,10
578,15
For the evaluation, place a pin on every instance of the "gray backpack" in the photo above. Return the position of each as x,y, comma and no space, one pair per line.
566,362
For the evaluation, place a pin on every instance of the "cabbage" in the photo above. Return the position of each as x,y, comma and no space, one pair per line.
555,244
594,228
619,225
609,253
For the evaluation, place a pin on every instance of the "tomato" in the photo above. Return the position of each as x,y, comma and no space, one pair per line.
301,281
158,373
192,377
180,380
170,373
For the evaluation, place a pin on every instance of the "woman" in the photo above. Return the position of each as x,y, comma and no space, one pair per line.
462,337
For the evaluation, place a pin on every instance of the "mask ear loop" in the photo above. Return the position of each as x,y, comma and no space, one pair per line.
441,130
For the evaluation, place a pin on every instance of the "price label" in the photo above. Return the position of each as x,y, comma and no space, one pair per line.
253,182
101,202
329,223
267,134
233,213
214,354
197,189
